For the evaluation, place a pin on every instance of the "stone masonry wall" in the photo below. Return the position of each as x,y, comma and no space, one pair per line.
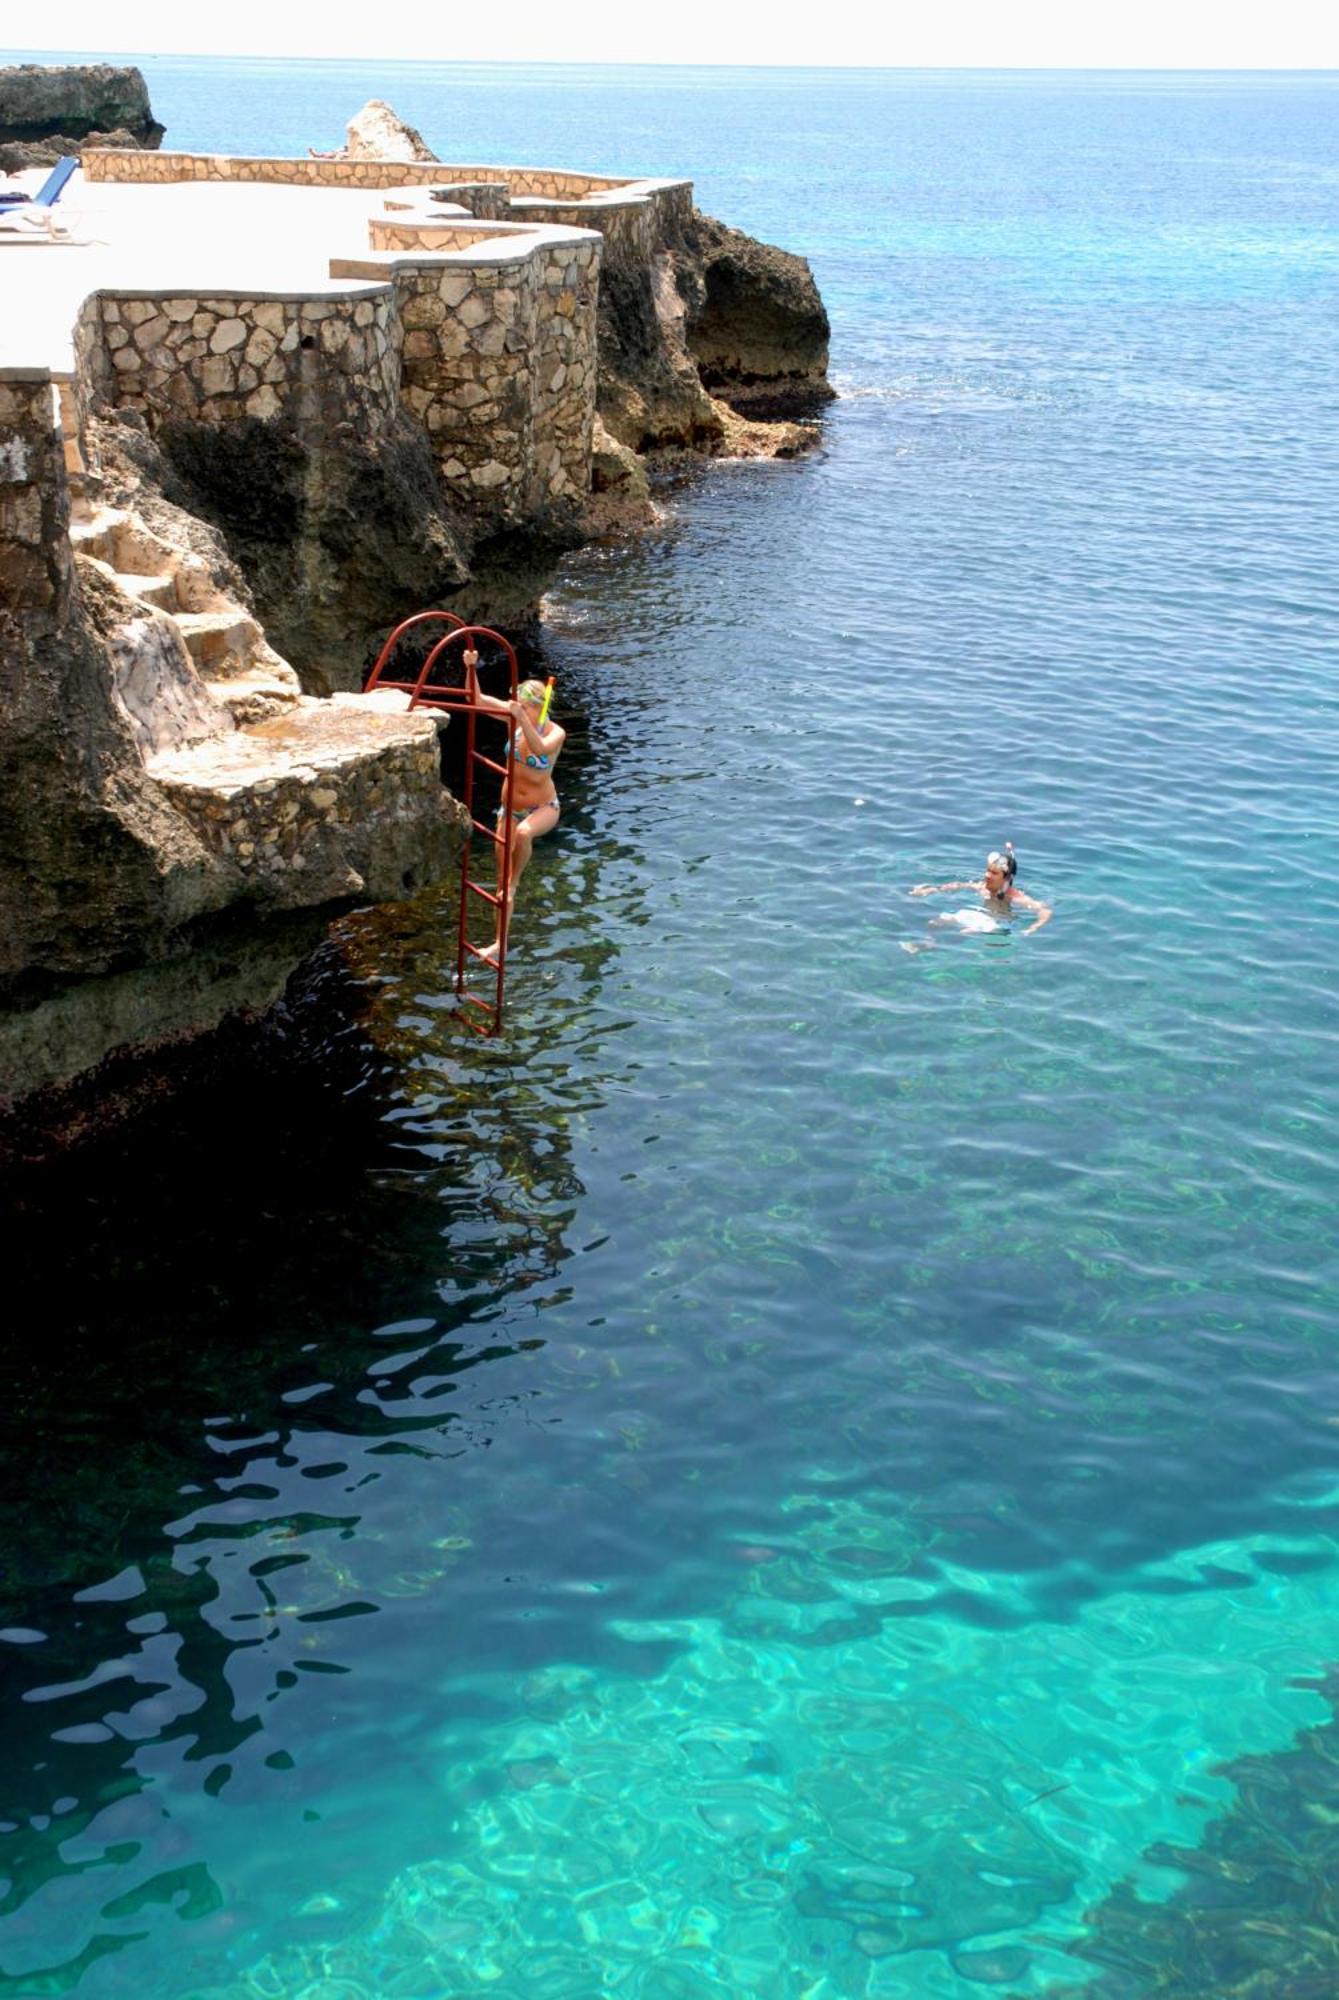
162,168
317,361
564,367
467,376
630,228
499,358
602,197
488,199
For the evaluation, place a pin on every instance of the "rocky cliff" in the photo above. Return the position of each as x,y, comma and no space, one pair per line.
46,112
264,483
162,867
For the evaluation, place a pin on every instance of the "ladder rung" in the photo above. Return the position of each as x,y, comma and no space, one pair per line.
478,889
488,832
480,758
477,951
484,1006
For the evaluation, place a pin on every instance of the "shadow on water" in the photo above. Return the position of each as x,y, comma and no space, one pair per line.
286,1285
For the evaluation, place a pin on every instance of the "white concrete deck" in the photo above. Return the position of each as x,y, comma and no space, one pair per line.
200,237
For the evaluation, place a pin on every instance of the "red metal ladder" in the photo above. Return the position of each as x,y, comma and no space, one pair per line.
431,688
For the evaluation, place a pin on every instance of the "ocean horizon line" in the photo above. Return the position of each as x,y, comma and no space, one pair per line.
585,66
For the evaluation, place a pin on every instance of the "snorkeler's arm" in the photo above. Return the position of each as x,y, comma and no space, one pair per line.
1043,910
489,703
941,888
545,742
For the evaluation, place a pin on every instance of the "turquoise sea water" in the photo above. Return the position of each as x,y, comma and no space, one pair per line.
808,1469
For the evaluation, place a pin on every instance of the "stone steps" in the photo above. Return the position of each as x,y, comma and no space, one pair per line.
160,591
226,645
221,641
93,532
257,694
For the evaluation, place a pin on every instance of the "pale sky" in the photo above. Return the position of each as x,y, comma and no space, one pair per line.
1137,34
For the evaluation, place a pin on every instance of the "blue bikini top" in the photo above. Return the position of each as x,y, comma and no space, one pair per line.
528,756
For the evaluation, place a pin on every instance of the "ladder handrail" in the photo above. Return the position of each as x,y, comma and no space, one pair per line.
419,618
459,637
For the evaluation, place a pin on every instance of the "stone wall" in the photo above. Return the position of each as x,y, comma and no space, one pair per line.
494,354
314,361
630,229
499,357
600,195
160,168
295,799
482,198
564,368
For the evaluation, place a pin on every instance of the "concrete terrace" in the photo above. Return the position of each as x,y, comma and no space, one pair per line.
179,224
201,237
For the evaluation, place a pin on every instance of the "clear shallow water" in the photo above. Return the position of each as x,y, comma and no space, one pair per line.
794,1473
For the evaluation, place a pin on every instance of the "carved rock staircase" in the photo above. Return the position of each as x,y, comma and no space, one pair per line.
227,647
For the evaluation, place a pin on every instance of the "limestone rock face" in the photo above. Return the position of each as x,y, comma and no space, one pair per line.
66,104
650,393
335,536
710,322
154,857
376,133
754,321
614,468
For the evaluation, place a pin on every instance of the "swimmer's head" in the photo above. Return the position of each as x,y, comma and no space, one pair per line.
1001,869
531,693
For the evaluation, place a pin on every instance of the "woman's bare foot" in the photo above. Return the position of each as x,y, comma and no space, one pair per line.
490,951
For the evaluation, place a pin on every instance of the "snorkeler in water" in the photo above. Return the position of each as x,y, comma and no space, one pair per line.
999,897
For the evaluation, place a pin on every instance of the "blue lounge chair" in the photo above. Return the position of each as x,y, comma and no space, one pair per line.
51,190
35,220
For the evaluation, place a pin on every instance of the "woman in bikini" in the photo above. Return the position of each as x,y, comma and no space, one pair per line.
534,796
997,892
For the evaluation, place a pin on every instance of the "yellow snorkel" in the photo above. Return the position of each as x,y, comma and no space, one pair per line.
548,697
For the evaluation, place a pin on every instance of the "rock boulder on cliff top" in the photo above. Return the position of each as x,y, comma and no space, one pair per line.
375,133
